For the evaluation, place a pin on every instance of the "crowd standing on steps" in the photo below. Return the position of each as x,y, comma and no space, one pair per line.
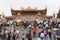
45,30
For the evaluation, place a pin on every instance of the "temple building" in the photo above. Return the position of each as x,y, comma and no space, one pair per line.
29,14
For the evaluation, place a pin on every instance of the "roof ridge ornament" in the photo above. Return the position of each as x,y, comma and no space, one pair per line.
28,8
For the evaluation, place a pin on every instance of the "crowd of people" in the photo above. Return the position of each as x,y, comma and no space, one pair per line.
45,30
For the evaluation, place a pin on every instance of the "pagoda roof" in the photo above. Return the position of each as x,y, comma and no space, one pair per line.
29,9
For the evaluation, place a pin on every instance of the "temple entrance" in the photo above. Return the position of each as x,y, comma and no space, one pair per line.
29,15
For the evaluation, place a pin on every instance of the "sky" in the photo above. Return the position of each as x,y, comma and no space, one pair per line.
52,5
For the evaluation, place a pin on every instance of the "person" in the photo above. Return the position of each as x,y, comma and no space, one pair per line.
22,28
47,26
42,35
34,31
44,23
58,34
3,35
6,35
9,36
47,35
39,26
25,24
55,36
2,32
14,35
17,32
49,30
23,37
28,36
30,30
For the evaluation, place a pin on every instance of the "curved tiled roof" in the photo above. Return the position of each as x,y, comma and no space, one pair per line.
29,9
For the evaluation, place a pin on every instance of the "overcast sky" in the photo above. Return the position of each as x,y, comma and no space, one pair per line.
52,5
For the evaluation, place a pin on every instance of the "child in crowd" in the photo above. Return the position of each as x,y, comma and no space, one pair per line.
23,37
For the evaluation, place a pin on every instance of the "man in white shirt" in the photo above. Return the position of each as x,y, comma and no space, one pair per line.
46,26
42,35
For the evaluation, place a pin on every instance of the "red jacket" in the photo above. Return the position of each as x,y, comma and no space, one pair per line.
28,35
34,29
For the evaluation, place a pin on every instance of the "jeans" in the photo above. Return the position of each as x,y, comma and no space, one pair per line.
34,34
23,38
42,38
54,37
